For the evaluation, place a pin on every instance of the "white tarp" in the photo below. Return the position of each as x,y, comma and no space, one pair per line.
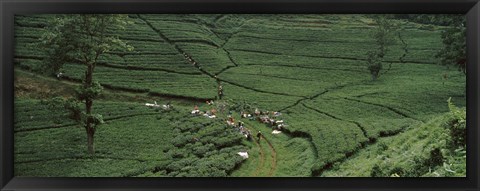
244,155
276,132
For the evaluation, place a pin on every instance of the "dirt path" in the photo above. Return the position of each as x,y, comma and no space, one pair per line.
262,169
261,161
274,158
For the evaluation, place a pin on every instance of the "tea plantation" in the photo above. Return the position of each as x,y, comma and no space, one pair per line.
310,68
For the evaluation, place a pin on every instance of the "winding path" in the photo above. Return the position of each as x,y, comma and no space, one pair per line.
265,153
261,160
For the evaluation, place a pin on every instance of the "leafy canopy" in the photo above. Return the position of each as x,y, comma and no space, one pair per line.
81,38
454,40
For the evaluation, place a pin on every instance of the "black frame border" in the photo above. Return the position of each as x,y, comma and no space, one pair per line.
8,8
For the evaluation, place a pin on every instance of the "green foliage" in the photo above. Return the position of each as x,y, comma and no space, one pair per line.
243,106
436,157
409,154
376,171
384,33
96,119
435,19
90,92
311,67
459,114
204,149
375,65
397,171
74,107
131,133
454,41
384,36
382,147
61,104
80,38
457,125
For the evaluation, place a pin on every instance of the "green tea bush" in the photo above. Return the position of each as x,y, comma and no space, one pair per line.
457,126
376,171
296,60
201,150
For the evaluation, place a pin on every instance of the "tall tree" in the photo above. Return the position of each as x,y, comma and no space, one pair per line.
82,39
454,41
384,36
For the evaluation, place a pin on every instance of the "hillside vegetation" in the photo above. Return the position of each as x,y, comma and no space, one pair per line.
311,68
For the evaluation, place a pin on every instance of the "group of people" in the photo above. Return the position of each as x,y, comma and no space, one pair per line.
59,75
247,115
212,113
240,127
189,58
219,84
220,87
270,118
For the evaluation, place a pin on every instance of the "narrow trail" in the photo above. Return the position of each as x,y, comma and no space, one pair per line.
274,158
262,169
262,159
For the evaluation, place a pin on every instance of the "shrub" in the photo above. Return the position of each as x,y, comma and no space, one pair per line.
374,64
201,150
177,153
376,171
382,146
397,170
457,126
436,157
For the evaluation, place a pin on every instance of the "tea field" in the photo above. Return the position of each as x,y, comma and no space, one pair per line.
310,68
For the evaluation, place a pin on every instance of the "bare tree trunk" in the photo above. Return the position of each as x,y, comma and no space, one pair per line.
90,145
88,107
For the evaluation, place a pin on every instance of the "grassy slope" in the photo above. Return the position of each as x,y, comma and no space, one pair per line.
402,153
310,67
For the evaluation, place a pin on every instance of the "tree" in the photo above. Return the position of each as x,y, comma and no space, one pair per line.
374,64
454,43
384,36
82,39
429,19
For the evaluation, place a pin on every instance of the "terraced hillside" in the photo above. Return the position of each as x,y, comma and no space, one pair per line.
311,68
